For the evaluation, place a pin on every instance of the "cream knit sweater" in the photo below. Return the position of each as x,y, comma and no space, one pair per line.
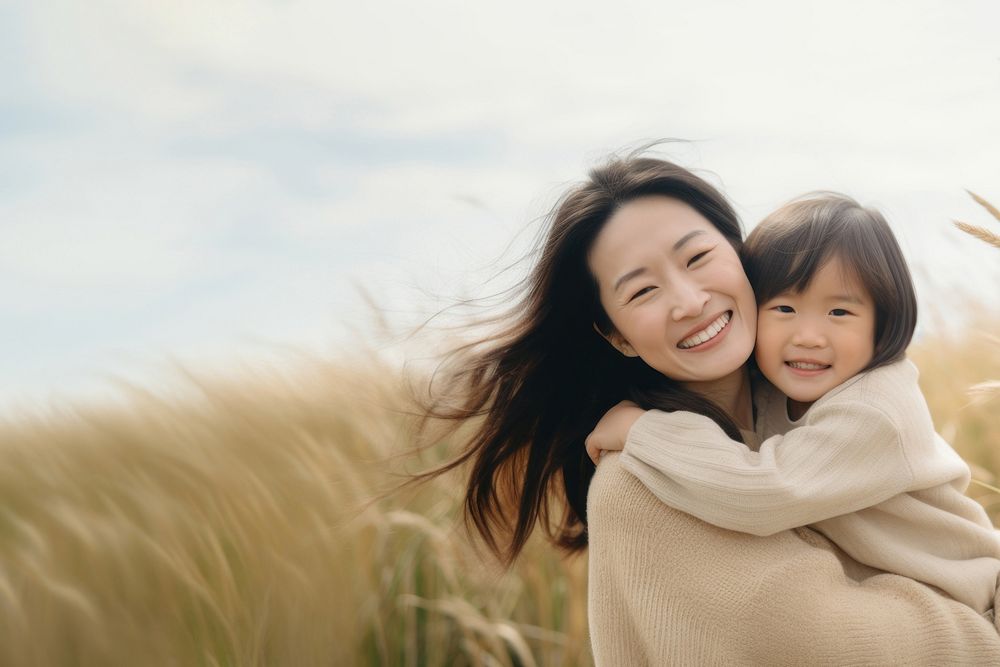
668,589
863,466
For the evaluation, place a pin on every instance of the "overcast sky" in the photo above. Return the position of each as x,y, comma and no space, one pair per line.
209,180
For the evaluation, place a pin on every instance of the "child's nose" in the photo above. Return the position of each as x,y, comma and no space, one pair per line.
808,336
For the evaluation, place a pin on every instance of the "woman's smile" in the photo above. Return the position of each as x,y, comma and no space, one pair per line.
708,336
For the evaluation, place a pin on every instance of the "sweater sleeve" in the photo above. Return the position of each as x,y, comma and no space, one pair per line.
847,456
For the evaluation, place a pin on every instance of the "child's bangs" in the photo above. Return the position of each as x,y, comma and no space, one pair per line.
784,256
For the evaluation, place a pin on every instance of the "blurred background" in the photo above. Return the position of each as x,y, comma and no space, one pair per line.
220,221
209,180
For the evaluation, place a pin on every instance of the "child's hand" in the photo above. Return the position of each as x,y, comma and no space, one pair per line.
609,434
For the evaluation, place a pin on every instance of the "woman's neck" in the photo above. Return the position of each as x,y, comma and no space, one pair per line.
731,393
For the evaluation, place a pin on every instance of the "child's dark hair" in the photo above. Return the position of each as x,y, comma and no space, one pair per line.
784,252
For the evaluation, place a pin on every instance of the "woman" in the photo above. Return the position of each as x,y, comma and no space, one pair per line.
638,293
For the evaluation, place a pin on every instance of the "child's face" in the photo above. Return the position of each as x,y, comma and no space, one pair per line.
812,341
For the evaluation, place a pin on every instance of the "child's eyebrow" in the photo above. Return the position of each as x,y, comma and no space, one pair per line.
849,298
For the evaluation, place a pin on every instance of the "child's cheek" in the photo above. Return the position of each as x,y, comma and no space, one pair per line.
768,347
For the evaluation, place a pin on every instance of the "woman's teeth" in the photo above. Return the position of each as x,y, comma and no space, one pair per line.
806,366
706,334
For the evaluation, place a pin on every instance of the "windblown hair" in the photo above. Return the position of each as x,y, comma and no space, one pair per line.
785,251
541,384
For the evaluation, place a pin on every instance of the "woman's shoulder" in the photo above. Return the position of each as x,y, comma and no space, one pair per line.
624,514
618,503
613,490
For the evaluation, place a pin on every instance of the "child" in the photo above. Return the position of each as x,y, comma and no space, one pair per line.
852,450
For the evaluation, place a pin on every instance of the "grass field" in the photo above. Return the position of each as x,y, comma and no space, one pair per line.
230,528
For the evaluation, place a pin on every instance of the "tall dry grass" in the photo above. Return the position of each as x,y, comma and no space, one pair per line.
950,364
963,388
230,527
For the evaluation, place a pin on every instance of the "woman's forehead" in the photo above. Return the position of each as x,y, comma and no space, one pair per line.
647,226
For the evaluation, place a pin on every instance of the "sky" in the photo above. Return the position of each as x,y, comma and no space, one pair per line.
220,183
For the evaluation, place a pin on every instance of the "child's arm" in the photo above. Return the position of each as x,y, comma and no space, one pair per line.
610,433
847,456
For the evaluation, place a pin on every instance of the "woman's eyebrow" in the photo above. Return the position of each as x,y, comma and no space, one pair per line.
629,276
687,237
677,246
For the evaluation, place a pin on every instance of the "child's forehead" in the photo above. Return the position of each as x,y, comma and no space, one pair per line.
833,278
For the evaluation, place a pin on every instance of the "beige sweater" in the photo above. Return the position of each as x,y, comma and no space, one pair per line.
863,466
668,589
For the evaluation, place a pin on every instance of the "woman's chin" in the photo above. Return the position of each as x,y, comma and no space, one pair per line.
727,358
707,366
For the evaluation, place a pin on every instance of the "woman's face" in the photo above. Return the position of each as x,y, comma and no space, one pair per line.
674,290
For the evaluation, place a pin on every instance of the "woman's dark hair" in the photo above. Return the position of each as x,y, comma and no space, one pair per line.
542,383
784,252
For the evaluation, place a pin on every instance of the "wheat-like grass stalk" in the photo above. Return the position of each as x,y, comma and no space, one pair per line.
983,484
980,233
985,204
985,391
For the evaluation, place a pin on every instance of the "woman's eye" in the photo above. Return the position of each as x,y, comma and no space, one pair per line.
784,309
840,312
644,290
697,257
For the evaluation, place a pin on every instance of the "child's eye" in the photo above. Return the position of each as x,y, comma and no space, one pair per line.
697,257
840,312
783,309
644,290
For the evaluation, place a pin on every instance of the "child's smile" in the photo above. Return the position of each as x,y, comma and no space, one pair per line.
811,341
807,368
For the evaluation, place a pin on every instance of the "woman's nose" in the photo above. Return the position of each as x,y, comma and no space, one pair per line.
689,301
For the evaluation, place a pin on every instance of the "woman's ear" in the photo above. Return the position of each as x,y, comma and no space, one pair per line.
617,341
